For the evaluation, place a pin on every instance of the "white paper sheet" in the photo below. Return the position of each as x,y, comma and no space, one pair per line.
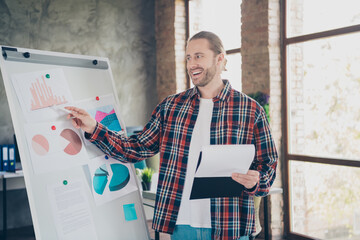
54,146
38,91
110,179
71,211
223,160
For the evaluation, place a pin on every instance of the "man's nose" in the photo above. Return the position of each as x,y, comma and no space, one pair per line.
192,64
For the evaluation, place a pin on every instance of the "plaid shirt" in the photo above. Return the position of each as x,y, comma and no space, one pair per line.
236,119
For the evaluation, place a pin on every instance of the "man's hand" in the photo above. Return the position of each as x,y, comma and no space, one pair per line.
249,180
81,119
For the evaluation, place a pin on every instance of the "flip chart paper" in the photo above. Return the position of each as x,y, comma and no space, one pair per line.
111,179
71,210
38,91
54,146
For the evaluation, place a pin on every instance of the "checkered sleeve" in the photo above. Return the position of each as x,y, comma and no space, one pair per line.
129,149
265,156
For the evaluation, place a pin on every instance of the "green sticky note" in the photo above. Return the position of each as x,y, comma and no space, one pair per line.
130,212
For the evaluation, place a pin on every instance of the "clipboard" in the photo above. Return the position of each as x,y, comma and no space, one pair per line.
213,175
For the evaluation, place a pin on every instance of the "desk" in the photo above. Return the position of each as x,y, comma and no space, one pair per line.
4,176
150,201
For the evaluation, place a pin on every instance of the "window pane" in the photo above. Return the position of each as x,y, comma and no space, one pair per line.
325,200
233,73
220,17
324,97
309,16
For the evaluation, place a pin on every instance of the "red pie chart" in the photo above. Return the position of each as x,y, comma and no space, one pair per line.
75,145
40,145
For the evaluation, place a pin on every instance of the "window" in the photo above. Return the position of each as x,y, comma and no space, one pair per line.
224,19
322,84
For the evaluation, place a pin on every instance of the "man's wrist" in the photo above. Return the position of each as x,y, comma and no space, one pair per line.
89,134
252,189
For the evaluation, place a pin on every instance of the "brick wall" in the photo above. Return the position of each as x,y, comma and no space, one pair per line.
254,46
277,203
260,50
296,84
170,28
165,48
180,45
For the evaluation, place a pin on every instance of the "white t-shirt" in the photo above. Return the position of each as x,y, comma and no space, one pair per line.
196,212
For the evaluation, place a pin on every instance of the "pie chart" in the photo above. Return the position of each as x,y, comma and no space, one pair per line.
40,145
100,179
75,145
119,179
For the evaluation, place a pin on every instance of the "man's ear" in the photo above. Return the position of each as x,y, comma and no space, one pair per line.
220,57
221,61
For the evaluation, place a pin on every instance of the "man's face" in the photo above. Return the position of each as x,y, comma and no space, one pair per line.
200,62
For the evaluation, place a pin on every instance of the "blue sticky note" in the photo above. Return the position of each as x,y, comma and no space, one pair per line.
130,212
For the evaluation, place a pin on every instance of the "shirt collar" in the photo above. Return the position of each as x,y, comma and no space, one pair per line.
223,95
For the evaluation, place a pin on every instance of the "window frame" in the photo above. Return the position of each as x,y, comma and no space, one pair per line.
285,42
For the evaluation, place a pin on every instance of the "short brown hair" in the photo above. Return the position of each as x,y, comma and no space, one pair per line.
215,43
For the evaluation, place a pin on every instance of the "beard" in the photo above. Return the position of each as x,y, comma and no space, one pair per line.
208,75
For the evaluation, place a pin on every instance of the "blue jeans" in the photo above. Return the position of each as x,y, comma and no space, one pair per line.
186,232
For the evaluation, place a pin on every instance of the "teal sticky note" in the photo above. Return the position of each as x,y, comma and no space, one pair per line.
130,212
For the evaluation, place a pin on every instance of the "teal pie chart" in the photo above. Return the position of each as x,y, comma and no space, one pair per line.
119,179
100,179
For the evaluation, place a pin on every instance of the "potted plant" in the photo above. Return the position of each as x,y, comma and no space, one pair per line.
146,176
263,100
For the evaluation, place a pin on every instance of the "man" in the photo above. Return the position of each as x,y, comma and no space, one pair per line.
210,113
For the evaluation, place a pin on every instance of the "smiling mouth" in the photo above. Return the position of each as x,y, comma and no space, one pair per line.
196,73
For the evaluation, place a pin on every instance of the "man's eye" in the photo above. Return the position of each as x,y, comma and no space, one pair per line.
188,59
198,56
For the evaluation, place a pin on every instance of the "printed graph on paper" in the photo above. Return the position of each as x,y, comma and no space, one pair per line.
38,90
106,115
43,95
